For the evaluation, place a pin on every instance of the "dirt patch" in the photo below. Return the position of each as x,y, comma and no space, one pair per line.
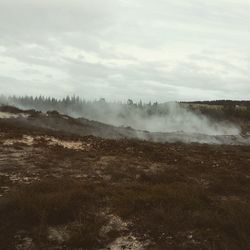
6,115
74,145
126,242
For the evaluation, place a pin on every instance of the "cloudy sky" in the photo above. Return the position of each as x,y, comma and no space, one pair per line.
118,49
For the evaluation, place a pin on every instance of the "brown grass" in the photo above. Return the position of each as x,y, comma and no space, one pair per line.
159,210
51,203
198,198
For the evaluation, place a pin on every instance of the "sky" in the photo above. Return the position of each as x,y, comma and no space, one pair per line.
164,50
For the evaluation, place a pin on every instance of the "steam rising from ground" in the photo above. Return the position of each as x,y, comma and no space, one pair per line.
180,119
176,118
165,117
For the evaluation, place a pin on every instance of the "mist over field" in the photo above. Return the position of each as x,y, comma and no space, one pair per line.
175,118
166,117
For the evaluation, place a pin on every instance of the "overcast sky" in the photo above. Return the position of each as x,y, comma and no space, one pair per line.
156,50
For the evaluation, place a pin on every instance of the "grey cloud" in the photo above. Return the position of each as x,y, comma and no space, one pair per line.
150,50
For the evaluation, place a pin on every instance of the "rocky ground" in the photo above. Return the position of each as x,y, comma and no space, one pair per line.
64,191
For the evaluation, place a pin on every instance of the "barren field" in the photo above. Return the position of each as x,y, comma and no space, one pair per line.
60,191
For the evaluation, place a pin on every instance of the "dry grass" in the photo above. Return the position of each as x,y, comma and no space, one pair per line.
177,196
167,213
52,203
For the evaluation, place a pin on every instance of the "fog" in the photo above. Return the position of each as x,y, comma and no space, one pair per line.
166,117
175,118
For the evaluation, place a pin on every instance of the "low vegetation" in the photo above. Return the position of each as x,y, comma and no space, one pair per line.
161,196
172,215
